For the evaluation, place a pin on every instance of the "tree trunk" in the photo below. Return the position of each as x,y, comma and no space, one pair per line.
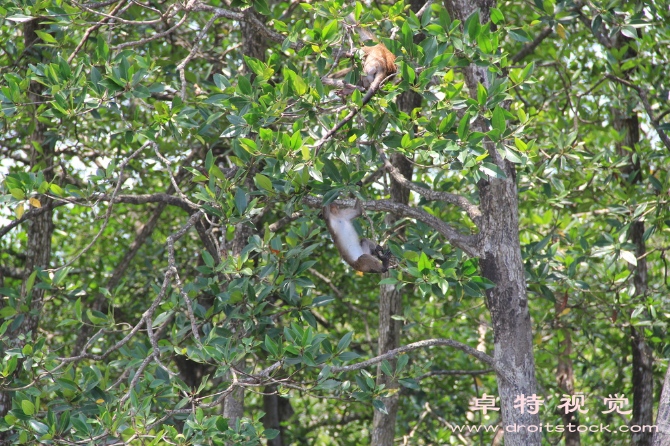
643,360
390,304
662,434
565,376
390,299
501,262
277,410
253,45
512,331
40,228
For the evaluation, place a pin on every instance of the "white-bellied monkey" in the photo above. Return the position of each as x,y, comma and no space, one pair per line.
363,255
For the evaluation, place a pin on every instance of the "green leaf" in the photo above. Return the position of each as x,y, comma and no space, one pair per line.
271,346
474,27
7,312
379,406
244,85
492,170
519,35
262,7
482,94
497,16
31,281
240,201
628,257
263,182
46,37
463,126
270,433
386,368
28,407
209,160
498,119
344,342
402,362
409,383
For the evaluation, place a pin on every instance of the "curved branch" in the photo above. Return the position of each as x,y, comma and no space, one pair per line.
647,108
468,243
453,373
483,357
249,18
471,209
127,199
530,46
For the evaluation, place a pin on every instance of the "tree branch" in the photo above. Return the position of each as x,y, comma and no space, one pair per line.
453,373
470,209
468,243
505,374
647,107
530,46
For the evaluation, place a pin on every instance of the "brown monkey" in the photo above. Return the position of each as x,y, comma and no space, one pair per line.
378,64
363,255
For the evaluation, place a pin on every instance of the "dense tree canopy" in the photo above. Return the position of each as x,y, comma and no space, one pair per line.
166,278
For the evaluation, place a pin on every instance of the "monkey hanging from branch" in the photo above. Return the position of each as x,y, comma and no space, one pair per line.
378,64
363,255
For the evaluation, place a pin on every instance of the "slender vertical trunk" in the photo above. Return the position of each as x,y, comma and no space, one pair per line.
643,360
233,405
662,434
390,299
390,304
565,377
40,229
271,418
253,45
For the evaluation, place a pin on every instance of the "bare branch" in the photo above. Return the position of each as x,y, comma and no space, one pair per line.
154,37
453,373
505,374
108,214
530,46
472,210
249,18
647,107
194,49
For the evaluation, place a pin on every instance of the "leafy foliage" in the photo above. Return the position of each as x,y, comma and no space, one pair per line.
155,308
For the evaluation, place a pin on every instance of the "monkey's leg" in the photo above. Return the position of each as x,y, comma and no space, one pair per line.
370,264
368,246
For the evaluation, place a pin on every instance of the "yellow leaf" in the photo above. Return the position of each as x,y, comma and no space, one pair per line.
564,312
100,401
19,211
560,30
34,202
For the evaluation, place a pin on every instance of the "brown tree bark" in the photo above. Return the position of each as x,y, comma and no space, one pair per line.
565,376
277,410
662,434
233,405
390,299
643,360
253,45
40,229
501,262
